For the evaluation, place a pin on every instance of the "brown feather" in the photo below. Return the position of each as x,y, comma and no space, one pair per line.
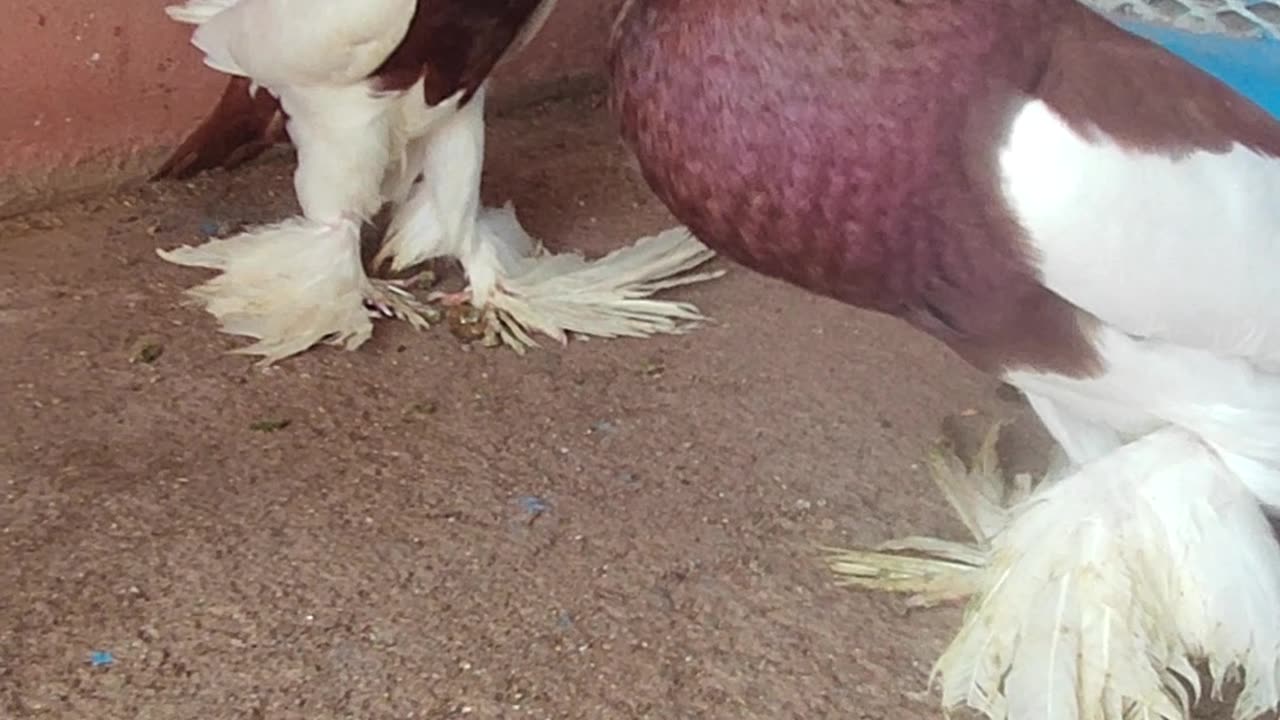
240,128
456,44
1152,100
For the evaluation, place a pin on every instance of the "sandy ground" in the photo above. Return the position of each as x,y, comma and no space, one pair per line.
424,529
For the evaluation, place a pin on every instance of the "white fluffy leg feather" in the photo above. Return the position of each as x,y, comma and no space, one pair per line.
292,285
438,218
1104,587
300,282
520,288
609,297
412,136
934,570
343,138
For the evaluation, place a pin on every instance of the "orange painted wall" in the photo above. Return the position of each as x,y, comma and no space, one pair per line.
94,92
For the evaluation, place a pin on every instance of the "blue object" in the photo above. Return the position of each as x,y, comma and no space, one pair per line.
101,658
534,505
1251,66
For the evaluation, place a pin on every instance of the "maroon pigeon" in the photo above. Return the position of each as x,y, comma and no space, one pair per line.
1077,211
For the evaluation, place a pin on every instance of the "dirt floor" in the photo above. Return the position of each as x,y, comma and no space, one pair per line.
424,529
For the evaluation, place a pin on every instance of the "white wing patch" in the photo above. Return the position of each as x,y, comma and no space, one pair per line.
1185,250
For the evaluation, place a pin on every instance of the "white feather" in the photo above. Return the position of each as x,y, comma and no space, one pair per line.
1176,258
197,12
343,137
302,281
1107,585
297,42
412,135
1183,249
289,285
439,217
608,297
1147,384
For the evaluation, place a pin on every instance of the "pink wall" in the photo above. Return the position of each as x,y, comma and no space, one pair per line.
96,91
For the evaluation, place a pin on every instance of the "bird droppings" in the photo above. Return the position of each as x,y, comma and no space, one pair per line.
271,425
423,408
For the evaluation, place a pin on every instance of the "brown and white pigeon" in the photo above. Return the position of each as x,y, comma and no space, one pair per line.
384,102
1079,211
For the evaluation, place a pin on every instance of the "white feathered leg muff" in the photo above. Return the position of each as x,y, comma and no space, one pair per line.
1105,588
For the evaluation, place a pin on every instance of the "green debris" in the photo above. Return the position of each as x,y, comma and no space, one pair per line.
653,367
426,407
270,426
146,350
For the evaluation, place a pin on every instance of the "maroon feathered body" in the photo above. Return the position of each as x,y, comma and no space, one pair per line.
857,169
969,166
849,147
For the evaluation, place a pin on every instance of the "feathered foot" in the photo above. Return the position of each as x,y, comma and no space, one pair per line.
391,299
937,571
1095,594
295,284
609,297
